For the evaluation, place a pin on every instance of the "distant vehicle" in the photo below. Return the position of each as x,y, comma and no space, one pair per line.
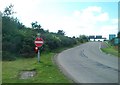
99,41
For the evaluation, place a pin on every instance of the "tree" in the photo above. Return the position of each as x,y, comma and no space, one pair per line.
61,32
9,10
20,42
83,38
35,25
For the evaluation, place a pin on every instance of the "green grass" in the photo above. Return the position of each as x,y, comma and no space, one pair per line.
111,50
47,71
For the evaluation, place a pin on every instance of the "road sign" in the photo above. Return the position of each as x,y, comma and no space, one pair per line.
92,37
98,36
39,42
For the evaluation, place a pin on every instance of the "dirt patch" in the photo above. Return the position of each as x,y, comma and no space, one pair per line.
26,74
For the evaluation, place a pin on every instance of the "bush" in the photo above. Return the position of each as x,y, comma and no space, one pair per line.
8,56
19,40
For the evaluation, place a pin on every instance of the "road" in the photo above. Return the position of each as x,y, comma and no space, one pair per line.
86,63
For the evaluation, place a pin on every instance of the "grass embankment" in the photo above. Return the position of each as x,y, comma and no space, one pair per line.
111,50
47,71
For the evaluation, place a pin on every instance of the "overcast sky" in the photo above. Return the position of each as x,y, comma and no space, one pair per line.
75,17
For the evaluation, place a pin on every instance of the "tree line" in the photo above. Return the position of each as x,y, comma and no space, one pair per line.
18,40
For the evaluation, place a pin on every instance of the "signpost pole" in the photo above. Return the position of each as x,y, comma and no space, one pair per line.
38,55
39,50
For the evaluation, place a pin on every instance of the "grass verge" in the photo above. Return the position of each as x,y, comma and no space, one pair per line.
47,72
111,50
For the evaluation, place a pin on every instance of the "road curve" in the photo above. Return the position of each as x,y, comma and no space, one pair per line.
86,63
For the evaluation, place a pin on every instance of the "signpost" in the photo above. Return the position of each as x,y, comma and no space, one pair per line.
39,42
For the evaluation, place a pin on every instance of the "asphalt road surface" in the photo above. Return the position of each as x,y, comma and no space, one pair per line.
88,64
